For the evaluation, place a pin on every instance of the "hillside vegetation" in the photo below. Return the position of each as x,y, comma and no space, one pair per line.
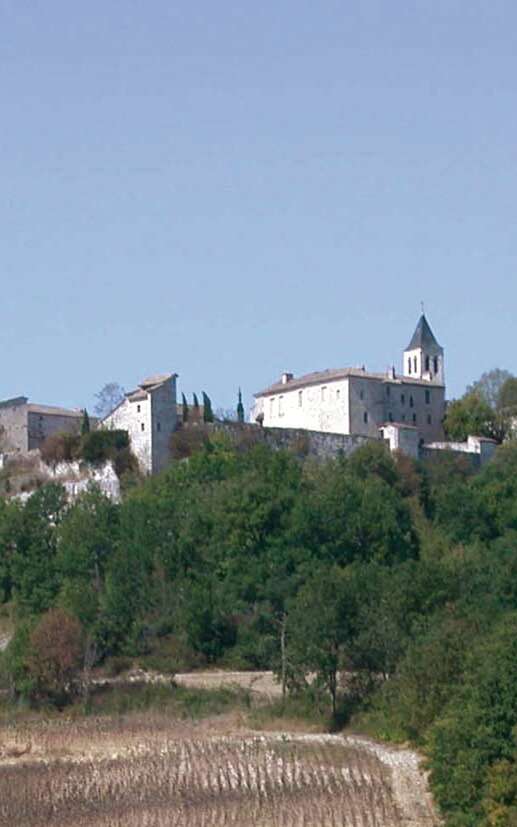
402,576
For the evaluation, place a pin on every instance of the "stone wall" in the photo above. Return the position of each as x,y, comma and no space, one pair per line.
316,444
479,450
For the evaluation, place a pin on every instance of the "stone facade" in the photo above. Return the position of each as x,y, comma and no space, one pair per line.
149,415
352,401
25,426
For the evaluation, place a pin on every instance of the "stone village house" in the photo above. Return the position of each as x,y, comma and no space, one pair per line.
25,426
150,416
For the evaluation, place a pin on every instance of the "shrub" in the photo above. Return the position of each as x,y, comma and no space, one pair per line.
116,665
61,447
55,655
187,441
99,446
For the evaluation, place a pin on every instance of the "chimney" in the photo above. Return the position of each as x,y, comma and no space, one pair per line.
286,377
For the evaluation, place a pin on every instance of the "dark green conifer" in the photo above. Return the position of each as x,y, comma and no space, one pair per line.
240,408
85,424
208,415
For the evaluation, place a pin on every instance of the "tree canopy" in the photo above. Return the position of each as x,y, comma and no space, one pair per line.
401,574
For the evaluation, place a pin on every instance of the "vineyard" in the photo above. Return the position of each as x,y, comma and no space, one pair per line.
99,774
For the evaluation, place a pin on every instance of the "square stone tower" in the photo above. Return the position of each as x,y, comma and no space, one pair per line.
423,357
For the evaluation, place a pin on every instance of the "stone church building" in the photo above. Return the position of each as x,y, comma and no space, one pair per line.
353,401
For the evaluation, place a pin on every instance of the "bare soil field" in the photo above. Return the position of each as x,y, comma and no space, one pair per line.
147,770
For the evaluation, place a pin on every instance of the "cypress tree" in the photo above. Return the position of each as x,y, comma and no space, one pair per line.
208,415
195,404
85,424
184,412
240,408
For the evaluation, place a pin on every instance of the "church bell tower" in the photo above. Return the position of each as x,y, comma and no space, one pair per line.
423,357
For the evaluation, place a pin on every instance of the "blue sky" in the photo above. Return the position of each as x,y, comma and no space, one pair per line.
232,189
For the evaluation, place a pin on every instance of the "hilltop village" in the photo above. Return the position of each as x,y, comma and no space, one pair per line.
334,411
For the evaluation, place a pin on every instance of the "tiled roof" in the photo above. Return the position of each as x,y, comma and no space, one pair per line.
154,381
423,337
135,396
51,410
14,402
333,375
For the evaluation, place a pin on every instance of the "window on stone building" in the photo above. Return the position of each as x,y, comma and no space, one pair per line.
271,407
402,399
414,364
429,419
411,402
158,426
436,364
361,394
403,417
390,416
414,419
142,426
300,399
365,417
138,408
428,397
388,390
323,394
427,364
338,394
409,365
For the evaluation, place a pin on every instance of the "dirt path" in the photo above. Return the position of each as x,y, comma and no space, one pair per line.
410,785
261,683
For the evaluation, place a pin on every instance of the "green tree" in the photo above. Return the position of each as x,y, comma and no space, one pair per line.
507,397
489,386
184,408
35,577
475,730
470,416
85,423
87,539
240,408
319,629
208,415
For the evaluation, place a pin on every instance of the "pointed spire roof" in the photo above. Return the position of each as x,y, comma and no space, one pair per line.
423,337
